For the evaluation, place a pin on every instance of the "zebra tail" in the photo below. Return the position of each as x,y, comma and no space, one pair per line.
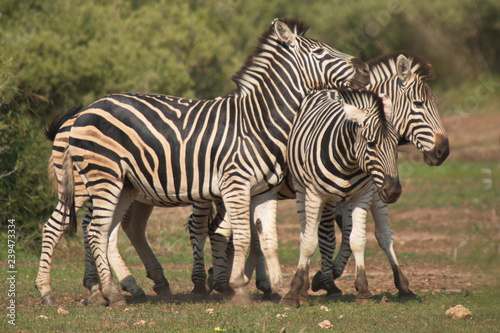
59,120
67,196
50,134
52,174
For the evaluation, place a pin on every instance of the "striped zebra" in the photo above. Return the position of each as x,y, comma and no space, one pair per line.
341,143
403,77
167,151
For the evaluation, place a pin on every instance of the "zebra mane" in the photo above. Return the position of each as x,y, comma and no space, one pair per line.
355,97
420,66
297,26
59,120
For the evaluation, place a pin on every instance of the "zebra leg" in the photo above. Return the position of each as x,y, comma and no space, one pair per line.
324,279
91,276
52,233
344,221
198,231
134,224
256,260
358,244
220,234
237,204
383,233
309,208
110,205
264,216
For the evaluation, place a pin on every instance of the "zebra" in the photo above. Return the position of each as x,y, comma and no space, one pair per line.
231,148
402,76
340,144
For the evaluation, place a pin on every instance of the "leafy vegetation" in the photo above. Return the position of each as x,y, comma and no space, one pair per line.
58,53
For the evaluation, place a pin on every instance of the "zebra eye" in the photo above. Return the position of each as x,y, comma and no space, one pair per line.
319,50
418,104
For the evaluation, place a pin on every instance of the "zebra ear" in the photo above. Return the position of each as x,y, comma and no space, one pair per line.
403,68
284,33
386,100
354,114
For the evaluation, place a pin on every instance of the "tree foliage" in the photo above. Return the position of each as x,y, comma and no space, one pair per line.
61,52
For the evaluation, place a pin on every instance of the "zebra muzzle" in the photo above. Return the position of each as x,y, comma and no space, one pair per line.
390,191
439,153
362,76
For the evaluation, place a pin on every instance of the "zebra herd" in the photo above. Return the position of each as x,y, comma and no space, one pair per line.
305,121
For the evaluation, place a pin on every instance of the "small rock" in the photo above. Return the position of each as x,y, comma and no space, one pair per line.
280,315
43,317
140,323
326,324
324,308
459,312
210,311
385,301
62,311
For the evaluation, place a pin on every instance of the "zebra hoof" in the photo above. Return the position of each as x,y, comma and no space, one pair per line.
47,300
117,305
290,302
200,289
316,284
227,292
162,291
137,298
264,286
407,294
332,290
96,299
364,295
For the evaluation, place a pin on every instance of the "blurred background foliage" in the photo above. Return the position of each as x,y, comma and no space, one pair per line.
54,54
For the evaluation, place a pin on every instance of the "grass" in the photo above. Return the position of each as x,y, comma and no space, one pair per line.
453,184
422,315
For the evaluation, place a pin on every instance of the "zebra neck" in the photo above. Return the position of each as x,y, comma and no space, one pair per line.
343,140
270,103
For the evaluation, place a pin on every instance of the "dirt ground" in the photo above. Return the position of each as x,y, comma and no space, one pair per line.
472,138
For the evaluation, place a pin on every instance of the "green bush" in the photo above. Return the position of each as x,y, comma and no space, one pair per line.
58,53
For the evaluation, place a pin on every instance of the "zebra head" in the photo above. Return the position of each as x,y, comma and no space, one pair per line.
321,65
376,144
415,114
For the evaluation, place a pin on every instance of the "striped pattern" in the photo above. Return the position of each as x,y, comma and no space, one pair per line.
167,150
403,77
340,144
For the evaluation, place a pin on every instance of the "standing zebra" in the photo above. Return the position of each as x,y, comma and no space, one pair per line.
174,151
339,143
402,76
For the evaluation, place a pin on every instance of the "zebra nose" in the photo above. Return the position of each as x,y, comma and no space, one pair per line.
439,153
443,148
390,190
362,76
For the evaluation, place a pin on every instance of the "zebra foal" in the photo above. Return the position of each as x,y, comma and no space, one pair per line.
403,77
166,151
339,143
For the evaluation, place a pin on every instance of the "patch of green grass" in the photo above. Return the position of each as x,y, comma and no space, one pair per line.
453,184
426,314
